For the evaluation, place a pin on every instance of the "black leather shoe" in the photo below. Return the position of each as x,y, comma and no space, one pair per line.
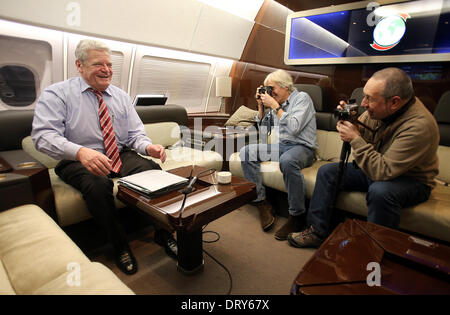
126,262
166,240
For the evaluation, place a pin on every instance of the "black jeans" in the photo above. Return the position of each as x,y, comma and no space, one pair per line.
98,194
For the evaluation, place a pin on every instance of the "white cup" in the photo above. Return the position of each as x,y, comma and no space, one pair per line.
224,177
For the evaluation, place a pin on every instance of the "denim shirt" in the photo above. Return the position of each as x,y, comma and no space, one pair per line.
297,124
66,119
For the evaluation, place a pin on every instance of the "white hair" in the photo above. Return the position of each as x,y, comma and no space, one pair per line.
282,78
89,44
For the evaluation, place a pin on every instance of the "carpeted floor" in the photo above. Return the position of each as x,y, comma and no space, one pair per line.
258,264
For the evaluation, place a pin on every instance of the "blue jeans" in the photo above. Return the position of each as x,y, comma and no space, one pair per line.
292,158
385,199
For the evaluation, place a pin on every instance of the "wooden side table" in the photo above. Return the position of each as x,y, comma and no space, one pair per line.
23,181
223,140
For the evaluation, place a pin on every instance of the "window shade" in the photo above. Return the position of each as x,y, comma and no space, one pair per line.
184,82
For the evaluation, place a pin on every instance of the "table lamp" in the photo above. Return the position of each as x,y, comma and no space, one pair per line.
223,89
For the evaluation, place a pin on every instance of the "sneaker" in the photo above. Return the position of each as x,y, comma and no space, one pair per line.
306,238
293,224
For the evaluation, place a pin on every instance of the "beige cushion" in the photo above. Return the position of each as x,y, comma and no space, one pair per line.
242,117
235,165
5,284
431,218
33,249
272,176
444,165
69,203
330,145
36,258
164,133
95,279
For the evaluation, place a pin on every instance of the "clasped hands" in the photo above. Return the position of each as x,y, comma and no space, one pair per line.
347,130
99,164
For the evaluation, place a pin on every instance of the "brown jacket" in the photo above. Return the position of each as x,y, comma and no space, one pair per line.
407,145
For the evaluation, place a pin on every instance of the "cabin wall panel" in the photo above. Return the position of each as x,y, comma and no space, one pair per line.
186,25
220,33
265,48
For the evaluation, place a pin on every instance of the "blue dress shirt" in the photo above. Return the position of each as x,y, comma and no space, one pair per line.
66,119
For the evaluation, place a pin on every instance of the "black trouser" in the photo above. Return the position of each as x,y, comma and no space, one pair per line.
98,194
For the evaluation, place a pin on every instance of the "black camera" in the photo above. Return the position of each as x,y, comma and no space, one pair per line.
265,89
348,112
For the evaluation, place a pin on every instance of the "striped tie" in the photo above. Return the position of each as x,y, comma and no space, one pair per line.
109,138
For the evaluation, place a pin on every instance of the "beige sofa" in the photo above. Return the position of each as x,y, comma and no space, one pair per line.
163,125
37,257
431,218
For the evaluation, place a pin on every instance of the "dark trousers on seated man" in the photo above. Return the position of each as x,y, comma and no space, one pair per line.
98,194
385,199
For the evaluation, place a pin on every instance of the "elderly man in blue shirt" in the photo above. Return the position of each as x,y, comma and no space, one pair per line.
293,116
71,125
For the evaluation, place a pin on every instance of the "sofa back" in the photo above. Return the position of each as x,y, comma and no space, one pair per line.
162,124
444,166
163,113
14,126
442,115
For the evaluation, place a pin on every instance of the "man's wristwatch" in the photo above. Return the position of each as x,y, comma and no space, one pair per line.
277,109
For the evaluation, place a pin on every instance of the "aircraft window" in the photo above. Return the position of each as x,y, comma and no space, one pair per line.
17,86
184,82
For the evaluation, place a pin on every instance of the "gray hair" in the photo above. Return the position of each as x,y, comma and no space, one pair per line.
89,44
282,78
396,83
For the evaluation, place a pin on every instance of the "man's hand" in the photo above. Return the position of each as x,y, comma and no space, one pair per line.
269,101
265,100
341,105
94,161
156,151
347,130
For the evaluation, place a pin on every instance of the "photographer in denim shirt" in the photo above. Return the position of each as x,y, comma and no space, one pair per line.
293,116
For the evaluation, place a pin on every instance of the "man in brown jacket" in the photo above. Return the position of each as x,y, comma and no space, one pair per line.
396,158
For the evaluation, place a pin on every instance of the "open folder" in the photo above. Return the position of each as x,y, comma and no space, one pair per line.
153,183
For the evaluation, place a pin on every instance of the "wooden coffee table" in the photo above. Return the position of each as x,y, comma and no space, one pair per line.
346,263
208,202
